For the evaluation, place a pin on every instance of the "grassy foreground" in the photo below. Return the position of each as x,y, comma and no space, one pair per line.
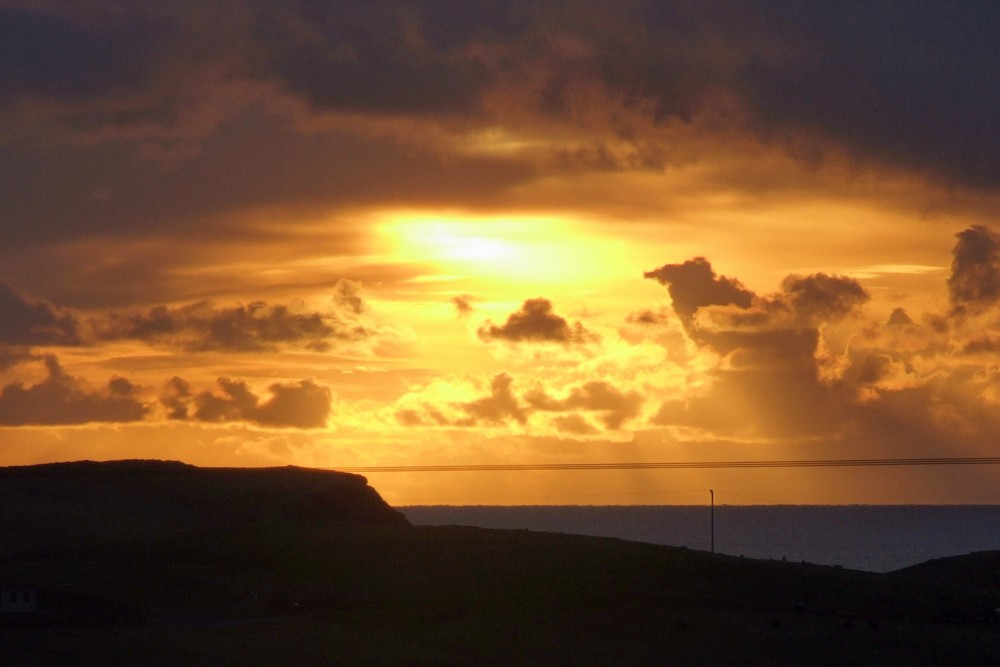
287,587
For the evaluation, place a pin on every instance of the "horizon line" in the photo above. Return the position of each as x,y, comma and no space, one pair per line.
679,465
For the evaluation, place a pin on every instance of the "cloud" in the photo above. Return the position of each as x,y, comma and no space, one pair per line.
575,424
176,398
252,328
974,283
61,399
304,404
595,396
365,58
27,321
51,56
12,356
694,284
779,376
496,408
899,82
899,318
803,364
463,304
822,298
647,317
720,312
347,296
536,322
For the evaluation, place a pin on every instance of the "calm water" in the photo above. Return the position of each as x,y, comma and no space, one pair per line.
878,538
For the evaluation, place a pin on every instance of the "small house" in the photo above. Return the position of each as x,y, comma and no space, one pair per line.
18,600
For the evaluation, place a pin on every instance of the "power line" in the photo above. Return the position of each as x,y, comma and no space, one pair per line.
683,465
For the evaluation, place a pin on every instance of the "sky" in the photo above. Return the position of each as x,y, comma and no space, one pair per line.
364,234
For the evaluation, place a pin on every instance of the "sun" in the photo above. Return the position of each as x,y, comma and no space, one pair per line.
515,249
464,243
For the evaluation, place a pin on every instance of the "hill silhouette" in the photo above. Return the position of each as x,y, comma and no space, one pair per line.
161,563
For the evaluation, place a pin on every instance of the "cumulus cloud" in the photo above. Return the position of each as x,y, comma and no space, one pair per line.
255,327
499,406
536,322
778,376
821,297
614,405
584,408
720,312
804,363
974,283
694,284
176,398
302,404
62,399
27,321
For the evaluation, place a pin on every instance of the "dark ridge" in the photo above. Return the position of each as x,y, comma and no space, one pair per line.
979,571
59,504
128,466
162,563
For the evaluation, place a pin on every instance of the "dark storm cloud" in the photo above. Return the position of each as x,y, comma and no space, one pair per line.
61,399
250,161
252,328
974,283
46,55
369,57
27,321
536,322
912,82
130,119
297,405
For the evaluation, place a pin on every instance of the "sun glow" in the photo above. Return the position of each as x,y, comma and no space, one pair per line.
536,249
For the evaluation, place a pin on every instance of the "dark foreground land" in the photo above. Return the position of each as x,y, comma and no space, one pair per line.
163,564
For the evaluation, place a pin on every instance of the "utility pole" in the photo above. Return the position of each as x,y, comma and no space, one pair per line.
711,494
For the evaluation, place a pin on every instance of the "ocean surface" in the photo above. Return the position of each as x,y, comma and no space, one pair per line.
878,538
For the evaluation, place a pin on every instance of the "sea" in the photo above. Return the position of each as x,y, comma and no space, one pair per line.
876,538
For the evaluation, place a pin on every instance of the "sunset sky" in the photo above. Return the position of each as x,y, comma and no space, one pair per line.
380,233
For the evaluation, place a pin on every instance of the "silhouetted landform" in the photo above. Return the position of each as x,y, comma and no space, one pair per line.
976,571
125,499
164,564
